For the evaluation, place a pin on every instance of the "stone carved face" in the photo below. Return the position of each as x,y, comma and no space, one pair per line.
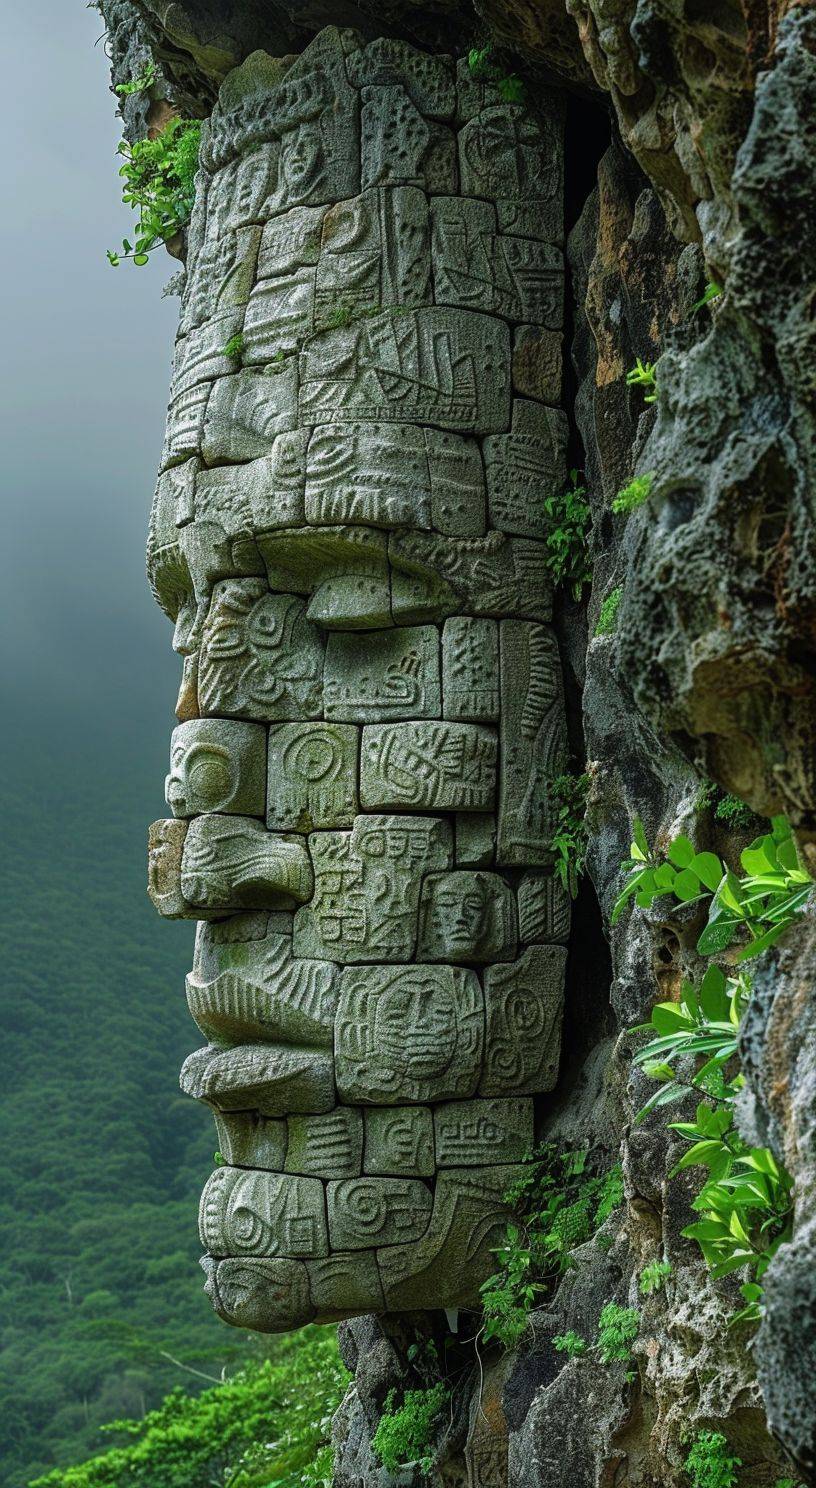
348,535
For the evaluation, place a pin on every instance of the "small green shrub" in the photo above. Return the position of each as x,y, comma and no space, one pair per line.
404,1434
558,1206
509,85
567,796
709,1464
140,84
635,494
618,1328
726,807
570,1343
608,617
644,374
159,176
235,348
568,522
653,1276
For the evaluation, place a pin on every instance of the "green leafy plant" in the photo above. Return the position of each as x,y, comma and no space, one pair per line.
404,1433
159,183
756,908
568,520
509,85
235,348
635,494
711,292
567,796
644,374
140,84
608,616
618,1328
653,1275
570,1343
558,1206
710,1464
726,807
745,1204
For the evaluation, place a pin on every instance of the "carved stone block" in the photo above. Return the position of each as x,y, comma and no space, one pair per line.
260,656
312,776
408,1033
259,1213
199,356
434,577
469,1219
165,845
235,863
269,1296
445,367
375,251
544,909
458,501
374,473
465,916
291,241
537,363
475,838
428,766
400,147
470,669
222,272
365,1212
480,1132
246,499
257,990
343,569
279,317
217,764
184,433
391,674
326,1145
247,410
477,269
400,1140
367,886
427,80
533,742
247,1140
507,157
345,1285
272,1079
523,1008
526,466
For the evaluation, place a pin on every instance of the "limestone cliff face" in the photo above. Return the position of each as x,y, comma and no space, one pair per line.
691,158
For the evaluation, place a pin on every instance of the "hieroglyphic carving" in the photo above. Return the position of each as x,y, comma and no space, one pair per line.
366,1212
470,669
217,764
408,1033
367,887
248,1140
290,242
544,909
279,314
245,411
262,1213
523,1007
479,1132
375,251
399,1140
533,741
427,80
433,577
313,776
434,366
326,1144
395,476
516,162
476,268
466,917
401,147
232,862
525,467
260,656
389,674
428,766
256,989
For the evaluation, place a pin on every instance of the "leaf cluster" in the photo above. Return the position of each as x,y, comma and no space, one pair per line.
635,494
404,1434
508,84
618,1328
755,908
608,616
568,840
653,1275
568,521
559,1205
142,83
710,1464
159,183
644,374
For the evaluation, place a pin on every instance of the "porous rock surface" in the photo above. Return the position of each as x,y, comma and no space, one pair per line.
696,164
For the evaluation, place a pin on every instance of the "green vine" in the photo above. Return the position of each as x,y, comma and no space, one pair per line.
159,183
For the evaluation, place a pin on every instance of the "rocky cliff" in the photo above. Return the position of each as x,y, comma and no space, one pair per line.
690,162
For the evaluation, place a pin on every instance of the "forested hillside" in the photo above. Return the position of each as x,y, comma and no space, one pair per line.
103,1157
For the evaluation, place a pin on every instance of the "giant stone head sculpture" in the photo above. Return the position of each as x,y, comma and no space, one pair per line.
347,533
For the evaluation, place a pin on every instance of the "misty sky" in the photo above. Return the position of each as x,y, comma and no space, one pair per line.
85,370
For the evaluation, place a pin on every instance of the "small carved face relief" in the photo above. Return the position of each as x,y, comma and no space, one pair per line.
300,160
201,779
457,915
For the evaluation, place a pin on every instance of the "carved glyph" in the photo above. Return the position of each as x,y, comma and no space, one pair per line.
348,533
